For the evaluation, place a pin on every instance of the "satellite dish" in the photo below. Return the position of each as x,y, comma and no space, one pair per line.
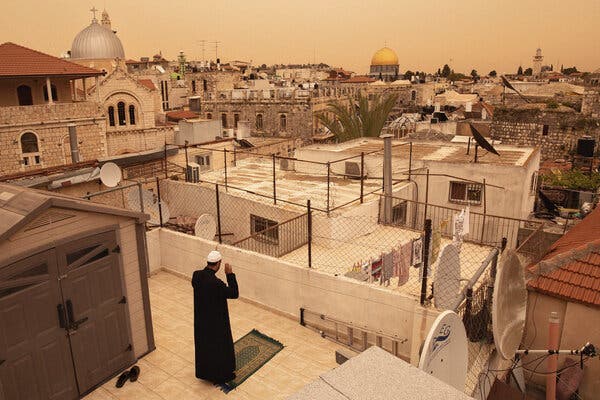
484,144
150,202
206,227
509,304
110,174
445,352
446,282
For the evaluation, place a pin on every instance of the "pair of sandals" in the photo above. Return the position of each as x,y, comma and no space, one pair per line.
131,375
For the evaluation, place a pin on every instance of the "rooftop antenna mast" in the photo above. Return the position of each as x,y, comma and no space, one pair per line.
216,42
202,42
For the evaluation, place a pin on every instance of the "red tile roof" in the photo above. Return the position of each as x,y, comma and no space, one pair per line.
179,115
17,60
147,83
573,264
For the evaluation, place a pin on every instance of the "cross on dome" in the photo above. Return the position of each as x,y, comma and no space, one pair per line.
93,10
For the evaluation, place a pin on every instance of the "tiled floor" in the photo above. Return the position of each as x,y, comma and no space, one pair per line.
168,372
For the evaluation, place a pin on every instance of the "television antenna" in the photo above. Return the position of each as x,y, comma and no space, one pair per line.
445,351
110,174
216,43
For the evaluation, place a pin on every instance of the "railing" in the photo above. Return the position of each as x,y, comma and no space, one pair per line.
280,239
484,229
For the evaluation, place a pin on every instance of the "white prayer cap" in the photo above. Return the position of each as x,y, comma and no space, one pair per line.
213,257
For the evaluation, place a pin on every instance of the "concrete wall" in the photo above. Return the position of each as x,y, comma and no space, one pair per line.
286,288
579,325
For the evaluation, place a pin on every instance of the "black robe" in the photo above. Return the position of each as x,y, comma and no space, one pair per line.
215,356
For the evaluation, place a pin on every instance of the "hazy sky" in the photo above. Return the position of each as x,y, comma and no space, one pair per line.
483,34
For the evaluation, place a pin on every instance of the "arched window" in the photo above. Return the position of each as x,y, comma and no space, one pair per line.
193,86
236,119
413,95
283,122
224,120
208,116
29,143
29,149
205,85
259,122
111,116
24,95
121,113
54,93
131,114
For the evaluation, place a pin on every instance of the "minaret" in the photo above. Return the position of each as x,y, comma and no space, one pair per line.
537,62
105,20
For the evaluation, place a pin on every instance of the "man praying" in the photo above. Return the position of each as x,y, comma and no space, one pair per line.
215,356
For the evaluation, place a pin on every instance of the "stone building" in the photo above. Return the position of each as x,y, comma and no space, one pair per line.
38,106
384,65
590,105
132,108
554,130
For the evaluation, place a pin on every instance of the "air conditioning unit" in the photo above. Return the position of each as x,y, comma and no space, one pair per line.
286,165
192,173
352,170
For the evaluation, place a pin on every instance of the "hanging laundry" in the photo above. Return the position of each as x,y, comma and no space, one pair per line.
376,268
404,255
388,267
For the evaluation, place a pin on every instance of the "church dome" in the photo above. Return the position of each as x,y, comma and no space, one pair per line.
385,56
97,42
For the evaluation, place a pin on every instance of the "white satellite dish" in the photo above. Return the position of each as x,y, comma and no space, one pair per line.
446,283
150,201
445,351
509,305
206,227
110,174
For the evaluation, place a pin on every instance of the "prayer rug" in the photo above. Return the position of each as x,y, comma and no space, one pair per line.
251,352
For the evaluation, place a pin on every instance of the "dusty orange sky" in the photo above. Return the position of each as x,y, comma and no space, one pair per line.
485,35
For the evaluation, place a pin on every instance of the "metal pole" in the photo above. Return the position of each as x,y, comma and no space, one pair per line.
140,194
426,195
225,163
328,183
484,212
426,243
552,366
309,233
218,213
234,158
410,150
362,175
165,160
159,202
187,167
274,183
476,147
387,178
469,146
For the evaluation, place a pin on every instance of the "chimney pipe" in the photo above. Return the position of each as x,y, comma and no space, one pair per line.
387,177
73,143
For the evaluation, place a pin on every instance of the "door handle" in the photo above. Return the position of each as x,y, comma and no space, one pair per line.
71,316
62,318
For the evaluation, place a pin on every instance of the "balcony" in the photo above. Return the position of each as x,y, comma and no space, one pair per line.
48,113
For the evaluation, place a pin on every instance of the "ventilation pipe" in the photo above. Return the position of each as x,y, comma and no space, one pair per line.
553,343
387,177
73,143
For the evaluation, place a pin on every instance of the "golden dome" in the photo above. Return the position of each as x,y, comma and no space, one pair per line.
384,56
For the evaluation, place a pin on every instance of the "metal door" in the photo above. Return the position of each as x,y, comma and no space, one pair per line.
35,359
90,279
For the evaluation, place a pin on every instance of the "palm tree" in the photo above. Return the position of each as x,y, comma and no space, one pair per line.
358,117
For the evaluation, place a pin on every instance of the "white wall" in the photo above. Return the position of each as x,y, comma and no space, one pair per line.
285,287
